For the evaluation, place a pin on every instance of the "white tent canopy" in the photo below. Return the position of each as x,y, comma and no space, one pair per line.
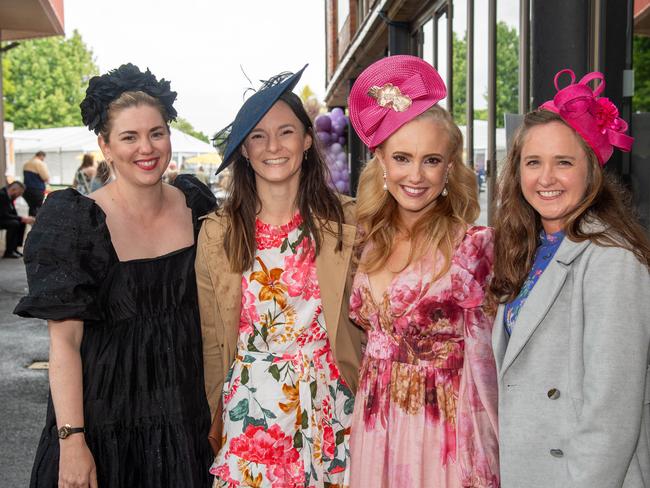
65,146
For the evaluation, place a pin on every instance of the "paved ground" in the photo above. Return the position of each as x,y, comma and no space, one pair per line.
23,392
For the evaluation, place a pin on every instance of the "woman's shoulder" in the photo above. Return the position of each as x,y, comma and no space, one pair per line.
480,235
349,205
69,208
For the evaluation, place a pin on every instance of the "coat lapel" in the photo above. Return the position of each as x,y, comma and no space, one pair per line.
537,304
499,338
332,272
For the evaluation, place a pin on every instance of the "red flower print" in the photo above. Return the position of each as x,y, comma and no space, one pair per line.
329,445
300,272
249,313
404,295
262,446
287,476
233,389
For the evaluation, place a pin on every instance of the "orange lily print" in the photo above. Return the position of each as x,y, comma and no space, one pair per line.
293,395
272,287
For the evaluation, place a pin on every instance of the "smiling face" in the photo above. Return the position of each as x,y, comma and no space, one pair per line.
554,170
138,144
276,147
416,159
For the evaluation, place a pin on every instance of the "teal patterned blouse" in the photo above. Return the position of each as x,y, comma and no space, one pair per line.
545,252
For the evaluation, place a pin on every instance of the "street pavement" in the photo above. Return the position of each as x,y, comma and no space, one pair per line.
23,391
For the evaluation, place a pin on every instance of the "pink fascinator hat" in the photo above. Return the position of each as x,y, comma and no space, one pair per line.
595,118
391,92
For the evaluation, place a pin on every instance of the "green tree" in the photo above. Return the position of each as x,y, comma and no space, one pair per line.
47,79
507,76
184,126
641,60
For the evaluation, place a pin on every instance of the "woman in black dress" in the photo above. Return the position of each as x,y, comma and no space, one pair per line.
113,274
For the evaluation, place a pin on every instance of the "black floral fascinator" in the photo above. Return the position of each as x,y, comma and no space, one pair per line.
229,139
102,90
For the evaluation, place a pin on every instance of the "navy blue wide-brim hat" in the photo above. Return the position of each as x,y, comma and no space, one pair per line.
251,112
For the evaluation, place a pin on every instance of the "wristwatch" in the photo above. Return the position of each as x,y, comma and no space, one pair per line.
66,431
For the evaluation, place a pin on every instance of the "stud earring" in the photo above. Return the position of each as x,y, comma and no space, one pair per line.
385,185
305,155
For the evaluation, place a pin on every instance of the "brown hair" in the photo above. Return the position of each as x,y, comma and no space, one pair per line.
315,200
103,172
131,99
87,161
377,210
518,225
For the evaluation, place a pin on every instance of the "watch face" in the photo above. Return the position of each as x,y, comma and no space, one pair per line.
64,431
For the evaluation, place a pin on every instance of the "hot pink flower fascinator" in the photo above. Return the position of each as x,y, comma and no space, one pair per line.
391,92
595,118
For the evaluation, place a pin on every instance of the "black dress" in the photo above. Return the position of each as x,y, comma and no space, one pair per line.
145,410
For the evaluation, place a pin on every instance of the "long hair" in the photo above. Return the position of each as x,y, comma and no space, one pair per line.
87,161
518,225
316,201
378,216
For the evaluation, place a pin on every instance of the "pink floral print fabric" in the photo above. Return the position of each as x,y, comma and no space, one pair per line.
287,410
425,412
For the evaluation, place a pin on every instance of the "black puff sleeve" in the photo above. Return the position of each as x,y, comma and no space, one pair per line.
198,196
67,255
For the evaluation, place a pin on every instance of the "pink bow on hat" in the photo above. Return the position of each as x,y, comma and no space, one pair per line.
595,119
391,92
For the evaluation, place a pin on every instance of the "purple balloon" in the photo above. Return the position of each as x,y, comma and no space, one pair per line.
324,137
337,113
338,127
342,140
323,123
341,186
335,149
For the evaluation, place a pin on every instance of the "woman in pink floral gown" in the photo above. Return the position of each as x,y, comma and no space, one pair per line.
425,411
273,270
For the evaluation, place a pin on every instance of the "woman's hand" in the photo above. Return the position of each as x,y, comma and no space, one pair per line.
76,464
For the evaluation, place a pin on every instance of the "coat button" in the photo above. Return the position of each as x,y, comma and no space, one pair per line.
553,393
557,453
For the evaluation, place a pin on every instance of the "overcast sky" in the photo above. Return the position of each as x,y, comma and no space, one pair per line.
199,46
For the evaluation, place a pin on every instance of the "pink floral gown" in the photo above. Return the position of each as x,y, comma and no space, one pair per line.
287,410
425,412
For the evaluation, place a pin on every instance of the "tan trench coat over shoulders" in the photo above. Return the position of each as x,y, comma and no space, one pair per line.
219,291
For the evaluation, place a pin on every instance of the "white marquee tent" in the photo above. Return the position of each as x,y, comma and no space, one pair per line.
65,147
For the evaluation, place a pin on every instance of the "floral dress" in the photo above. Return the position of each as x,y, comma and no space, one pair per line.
287,410
425,413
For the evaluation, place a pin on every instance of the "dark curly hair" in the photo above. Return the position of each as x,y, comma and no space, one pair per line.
103,90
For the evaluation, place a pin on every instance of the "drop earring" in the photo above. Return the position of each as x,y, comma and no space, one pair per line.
385,185
444,191
305,155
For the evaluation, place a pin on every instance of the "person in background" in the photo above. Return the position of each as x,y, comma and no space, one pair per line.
11,221
113,274
273,267
425,413
572,282
103,176
84,175
36,177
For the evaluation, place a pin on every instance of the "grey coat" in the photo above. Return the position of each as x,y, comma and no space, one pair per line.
574,382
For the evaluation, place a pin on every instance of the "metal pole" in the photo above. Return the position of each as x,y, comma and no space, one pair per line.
524,56
492,107
434,35
469,85
3,150
450,56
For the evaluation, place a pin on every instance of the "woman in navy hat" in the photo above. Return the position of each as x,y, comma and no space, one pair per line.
280,354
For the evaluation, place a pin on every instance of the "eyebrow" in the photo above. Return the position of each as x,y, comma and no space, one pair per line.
283,126
128,132
404,153
558,156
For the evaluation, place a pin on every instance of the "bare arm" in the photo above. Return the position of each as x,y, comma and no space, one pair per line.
76,463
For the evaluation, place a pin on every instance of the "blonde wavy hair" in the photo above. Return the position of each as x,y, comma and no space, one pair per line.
437,229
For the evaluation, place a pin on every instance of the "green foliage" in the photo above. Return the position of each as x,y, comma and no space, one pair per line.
641,63
507,76
184,126
45,80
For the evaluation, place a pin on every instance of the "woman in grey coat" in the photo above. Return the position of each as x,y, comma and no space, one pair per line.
572,284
